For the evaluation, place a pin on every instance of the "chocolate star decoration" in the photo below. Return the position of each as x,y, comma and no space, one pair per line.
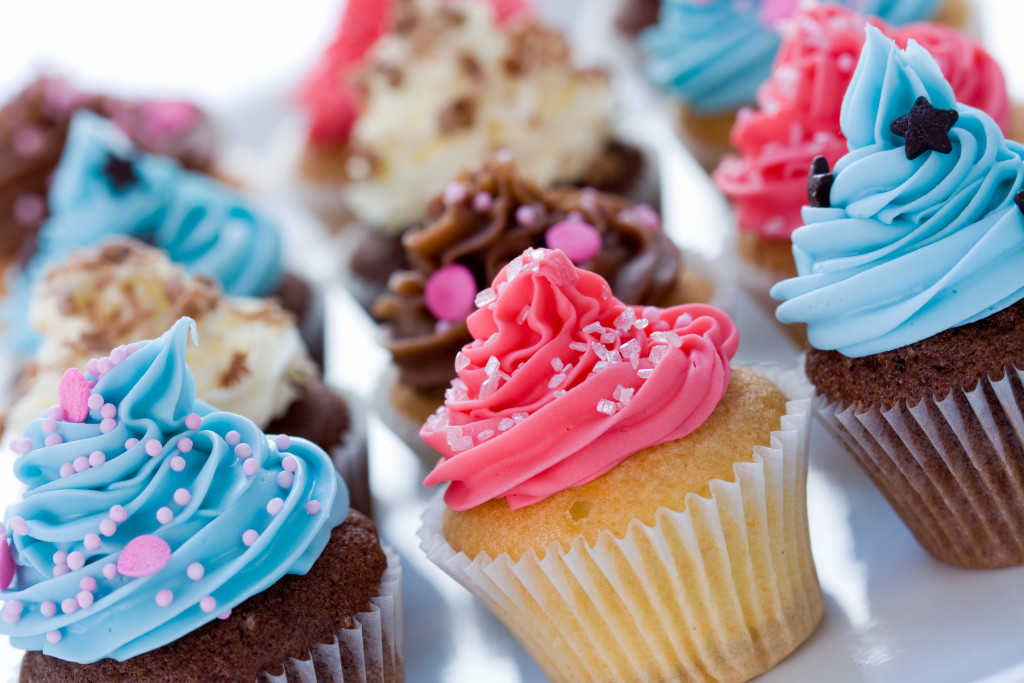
120,172
925,128
819,183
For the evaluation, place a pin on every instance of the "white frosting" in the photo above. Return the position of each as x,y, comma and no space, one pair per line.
554,119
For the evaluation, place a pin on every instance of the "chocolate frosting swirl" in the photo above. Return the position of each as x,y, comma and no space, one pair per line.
638,260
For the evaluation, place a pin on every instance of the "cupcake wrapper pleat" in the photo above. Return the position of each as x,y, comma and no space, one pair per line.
720,591
370,652
953,469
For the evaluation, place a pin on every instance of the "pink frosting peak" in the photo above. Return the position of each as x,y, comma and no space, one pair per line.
563,381
797,117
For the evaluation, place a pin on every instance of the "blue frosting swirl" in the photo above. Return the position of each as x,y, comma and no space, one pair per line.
713,54
908,248
226,524
200,223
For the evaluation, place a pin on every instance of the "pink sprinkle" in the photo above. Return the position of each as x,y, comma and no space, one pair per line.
118,514
97,458
143,555
131,443
10,618
107,425
450,292
95,401
29,208
153,447
28,141
117,355
49,425
6,562
53,637
164,515
275,505
182,496
81,463
60,570
53,440
526,215
225,615
185,444
110,570
104,365
92,541
579,241
455,193
19,526
250,466
73,391
21,446
284,442
108,410
108,528
208,604
482,201
92,367
131,348
313,507
87,584
243,450
69,606
67,469
249,537
84,599
55,413
48,608
76,560
285,479
195,571
192,421
164,597
290,463
233,437
177,463
60,557
14,606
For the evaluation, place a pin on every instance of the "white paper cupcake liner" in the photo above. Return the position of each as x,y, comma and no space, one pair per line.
720,591
370,652
953,469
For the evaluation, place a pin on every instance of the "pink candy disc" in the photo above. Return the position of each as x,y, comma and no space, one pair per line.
143,555
6,563
73,391
578,240
450,292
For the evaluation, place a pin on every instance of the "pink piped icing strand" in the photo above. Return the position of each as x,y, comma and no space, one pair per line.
563,381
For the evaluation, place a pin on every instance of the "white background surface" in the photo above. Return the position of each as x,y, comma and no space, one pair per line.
893,613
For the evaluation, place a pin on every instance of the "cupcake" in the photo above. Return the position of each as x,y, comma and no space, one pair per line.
713,55
105,186
910,285
485,219
797,121
186,544
252,360
34,128
618,534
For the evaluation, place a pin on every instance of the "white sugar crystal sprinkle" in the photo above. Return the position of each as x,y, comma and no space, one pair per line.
593,328
578,346
484,297
523,315
645,373
461,361
453,434
657,353
556,364
519,417
463,443
505,423
485,434
599,350
556,381
641,323
625,320
502,286
601,365
622,394
489,386
560,392
607,407
609,336
492,366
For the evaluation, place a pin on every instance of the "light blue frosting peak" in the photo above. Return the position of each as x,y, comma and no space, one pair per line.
199,453
908,248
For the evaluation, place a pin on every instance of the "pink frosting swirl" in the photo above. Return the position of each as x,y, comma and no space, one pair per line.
564,381
798,110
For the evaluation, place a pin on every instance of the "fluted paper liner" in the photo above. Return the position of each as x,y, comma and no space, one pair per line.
722,590
370,652
953,469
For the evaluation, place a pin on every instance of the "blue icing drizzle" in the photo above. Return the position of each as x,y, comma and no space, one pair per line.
154,395
197,221
713,54
908,248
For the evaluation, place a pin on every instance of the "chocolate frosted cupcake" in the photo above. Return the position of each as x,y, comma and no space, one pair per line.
34,128
185,543
911,287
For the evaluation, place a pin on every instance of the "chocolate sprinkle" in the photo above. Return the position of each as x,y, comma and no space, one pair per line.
120,171
925,128
819,183
1018,199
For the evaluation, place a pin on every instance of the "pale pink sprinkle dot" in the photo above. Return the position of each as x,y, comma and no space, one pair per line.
250,466
53,440
85,599
284,442
455,193
275,505
249,537
81,463
131,443
95,401
154,447
225,615
208,604
290,463
177,463
14,607
28,141
164,597
108,410
10,618
482,201
48,608
117,355
91,541
192,421
53,637
164,515
233,437
29,208
49,425
55,413
108,528
118,514
87,584
76,560
243,450
131,348
185,444
60,570
18,526
182,496
60,557
69,606
110,570
67,469
195,571
285,479
104,365
107,425
21,446
97,458
313,507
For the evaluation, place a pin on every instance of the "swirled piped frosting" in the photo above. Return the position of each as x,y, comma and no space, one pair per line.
148,513
713,54
104,186
563,381
486,218
908,247
797,118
